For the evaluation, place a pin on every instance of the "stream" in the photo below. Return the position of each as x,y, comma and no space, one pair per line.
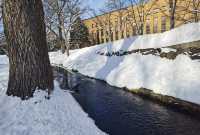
118,112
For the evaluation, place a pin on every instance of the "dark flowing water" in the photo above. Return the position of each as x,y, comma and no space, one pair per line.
118,112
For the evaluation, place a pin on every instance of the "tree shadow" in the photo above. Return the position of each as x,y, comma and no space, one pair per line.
113,61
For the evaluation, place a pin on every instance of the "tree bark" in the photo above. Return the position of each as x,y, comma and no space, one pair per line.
60,30
25,32
173,6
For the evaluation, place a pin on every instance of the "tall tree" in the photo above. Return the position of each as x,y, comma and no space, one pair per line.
79,34
138,14
196,10
120,7
60,17
104,24
172,12
24,28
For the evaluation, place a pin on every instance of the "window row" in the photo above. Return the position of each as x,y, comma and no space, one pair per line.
101,36
156,25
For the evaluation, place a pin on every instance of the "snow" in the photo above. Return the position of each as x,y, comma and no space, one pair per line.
183,34
60,115
3,60
178,78
167,50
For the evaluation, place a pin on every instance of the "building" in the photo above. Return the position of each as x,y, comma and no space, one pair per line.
156,16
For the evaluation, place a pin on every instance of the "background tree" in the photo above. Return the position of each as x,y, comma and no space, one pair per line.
172,11
60,17
138,14
119,6
29,63
195,10
186,11
79,34
104,25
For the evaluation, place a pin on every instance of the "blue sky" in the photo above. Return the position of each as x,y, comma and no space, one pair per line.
93,4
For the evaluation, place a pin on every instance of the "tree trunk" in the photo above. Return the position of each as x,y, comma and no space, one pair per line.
60,30
172,21
67,48
25,32
196,18
60,27
173,6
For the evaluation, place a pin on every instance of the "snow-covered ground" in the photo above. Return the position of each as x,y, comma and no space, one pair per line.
61,115
178,78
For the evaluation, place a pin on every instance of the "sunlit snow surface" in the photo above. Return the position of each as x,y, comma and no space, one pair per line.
178,78
61,115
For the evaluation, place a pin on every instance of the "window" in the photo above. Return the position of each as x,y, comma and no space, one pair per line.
122,34
127,30
163,24
148,29
102,36
111,34
133,31
116,35
155,25
97,37
127,33
107,38
93,38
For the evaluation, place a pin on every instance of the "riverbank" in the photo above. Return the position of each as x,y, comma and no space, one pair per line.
58,115
134,114
165,70
178,78
174,103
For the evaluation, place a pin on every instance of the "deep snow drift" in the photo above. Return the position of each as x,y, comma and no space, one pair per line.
178,78
61,115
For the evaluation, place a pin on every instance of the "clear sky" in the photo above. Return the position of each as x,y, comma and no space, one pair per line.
94,4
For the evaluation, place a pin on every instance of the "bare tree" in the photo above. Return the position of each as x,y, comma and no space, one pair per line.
111,21
105,23
138,13
60,17
29,63
119,7
195,10
181,11
172,12
1,10
177,11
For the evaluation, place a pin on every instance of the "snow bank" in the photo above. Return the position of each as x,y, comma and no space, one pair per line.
178,78
3,59
183,34
61,115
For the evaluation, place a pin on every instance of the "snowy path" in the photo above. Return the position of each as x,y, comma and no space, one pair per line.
61,115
